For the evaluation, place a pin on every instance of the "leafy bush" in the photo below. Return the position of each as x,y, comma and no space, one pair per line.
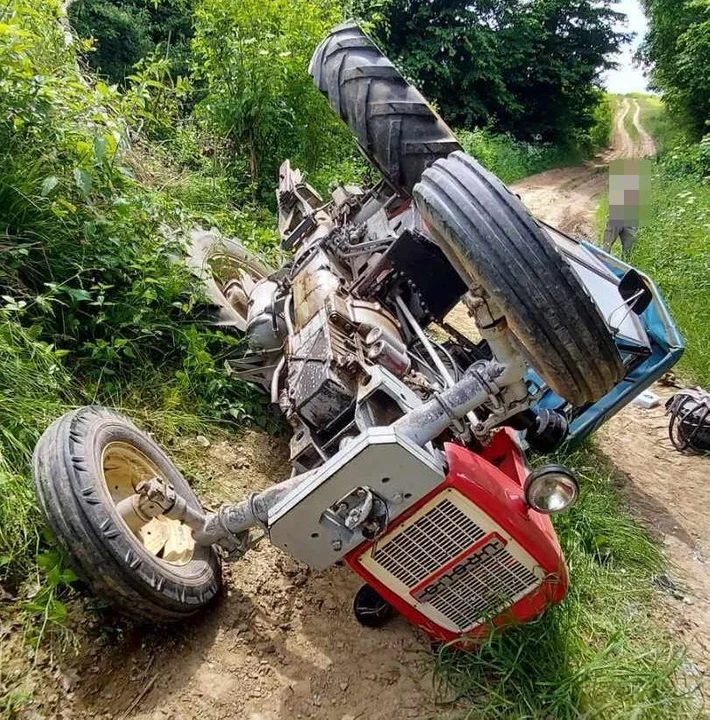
251,58
89,281
124,31
677,50
599,135
121,33
513,159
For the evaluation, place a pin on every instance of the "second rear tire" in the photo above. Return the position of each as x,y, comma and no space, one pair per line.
395,126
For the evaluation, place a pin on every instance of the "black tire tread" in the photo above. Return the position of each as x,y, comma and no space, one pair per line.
493,241
395,126
96,541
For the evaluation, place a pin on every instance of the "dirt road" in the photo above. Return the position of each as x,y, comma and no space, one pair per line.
568,197
283,643
669,491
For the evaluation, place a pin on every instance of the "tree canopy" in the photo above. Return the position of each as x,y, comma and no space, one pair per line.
125,31
677,49
531,67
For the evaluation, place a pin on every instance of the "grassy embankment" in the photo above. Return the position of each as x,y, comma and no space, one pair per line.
674,243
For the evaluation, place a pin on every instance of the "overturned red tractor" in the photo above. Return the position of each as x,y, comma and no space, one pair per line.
407,431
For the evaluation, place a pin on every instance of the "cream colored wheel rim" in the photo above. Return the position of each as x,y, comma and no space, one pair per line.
122,468
234,277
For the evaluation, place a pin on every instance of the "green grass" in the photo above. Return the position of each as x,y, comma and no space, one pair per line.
600,654
664,129
674,245
630,125
512,159
674,248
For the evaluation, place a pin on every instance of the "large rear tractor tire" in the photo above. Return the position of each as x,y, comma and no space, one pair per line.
84,464
396,128
494,243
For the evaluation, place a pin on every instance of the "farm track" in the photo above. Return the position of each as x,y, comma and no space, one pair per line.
668,491
283,644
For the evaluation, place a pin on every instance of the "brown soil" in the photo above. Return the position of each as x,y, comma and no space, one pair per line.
670,492
283,643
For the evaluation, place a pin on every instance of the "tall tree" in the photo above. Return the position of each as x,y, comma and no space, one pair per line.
677,49
532,67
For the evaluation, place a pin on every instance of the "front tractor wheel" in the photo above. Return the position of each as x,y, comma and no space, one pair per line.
85,464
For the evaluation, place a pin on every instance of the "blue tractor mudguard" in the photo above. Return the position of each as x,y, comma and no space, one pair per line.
648,341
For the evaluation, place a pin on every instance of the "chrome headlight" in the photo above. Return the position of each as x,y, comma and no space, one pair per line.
551,489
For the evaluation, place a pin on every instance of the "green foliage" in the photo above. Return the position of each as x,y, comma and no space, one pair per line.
674,248
663,127
124,31
121,33
154,99
251,58
677,49
513,159
89,280
599,653
531,68
603,118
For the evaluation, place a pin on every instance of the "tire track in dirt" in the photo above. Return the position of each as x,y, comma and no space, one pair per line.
646,145
568,197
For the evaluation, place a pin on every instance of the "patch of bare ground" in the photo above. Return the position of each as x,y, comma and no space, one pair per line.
670,492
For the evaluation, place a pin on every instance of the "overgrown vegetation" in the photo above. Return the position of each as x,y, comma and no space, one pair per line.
124,32
677,51
674,246
512,159
250,59
529,67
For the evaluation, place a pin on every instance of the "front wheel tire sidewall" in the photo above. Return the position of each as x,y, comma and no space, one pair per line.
72,493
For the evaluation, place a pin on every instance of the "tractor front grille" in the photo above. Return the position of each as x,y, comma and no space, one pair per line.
453,563
432,540
480,584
